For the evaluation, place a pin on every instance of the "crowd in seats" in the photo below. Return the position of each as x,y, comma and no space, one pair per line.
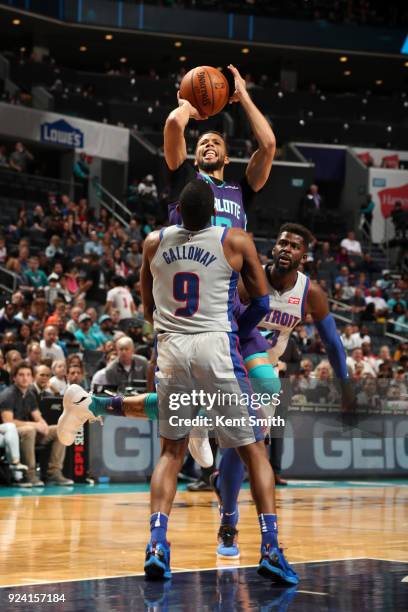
75,315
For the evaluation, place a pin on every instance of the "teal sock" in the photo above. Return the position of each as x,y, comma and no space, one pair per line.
100,405
151,406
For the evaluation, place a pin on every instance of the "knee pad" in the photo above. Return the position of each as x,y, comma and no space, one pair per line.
264,379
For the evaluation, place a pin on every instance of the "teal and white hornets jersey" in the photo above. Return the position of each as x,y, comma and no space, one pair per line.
286,311
193,283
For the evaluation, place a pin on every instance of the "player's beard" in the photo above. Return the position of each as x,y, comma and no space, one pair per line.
211,166
294,265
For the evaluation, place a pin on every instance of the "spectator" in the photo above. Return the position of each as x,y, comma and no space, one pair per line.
99,378
4,374
106,327
128,366
357,359
87,337
9,440
93,245
120,297
58,381
81,171
401,325
352,246
34,354
380,305
399,218
368,396
135,232
9,322
12,357
41,384
357,303
20,158
348,338
384,357
35,277
50,349
54,248
306,381
95,282
75,373
312,207
18,405
73,325
147,187
367,215
361,336
396,299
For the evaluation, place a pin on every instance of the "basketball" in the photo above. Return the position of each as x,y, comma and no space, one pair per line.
206,88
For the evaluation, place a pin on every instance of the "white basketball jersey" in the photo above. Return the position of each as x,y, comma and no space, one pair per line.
193,283
286,311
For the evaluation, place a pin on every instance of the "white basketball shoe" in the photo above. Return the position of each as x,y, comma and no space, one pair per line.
199,447
76,403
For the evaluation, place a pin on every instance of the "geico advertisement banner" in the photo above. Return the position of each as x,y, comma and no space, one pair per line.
320,445
381,157
316,444
386,188
96,139
123,450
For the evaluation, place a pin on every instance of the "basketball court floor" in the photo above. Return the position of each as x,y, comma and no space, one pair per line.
83,549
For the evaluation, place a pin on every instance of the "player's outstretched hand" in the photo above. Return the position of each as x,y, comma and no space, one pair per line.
194,114
240,85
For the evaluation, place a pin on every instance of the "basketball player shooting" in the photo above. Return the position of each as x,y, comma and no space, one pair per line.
232,201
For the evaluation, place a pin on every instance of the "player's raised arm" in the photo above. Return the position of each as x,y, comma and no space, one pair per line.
241,253
175,148
260,164
146,279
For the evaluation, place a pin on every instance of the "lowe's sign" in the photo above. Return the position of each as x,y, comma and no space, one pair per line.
62,133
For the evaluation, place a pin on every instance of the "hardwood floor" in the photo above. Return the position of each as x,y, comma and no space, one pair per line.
45,539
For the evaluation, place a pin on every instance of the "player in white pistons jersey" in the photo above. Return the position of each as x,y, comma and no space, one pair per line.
193,283
286,312
291,295
188,281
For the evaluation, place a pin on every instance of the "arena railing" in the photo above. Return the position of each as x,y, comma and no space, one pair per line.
348,321
8,280
114,206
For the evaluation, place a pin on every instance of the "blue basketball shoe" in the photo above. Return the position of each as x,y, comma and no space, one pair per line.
227,542
273,565
157,562
227,534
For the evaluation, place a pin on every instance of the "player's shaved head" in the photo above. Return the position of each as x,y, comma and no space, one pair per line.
196,205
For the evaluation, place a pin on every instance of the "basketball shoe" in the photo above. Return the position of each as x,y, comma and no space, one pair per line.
199,447
273,565
76,412
227,534
157,562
